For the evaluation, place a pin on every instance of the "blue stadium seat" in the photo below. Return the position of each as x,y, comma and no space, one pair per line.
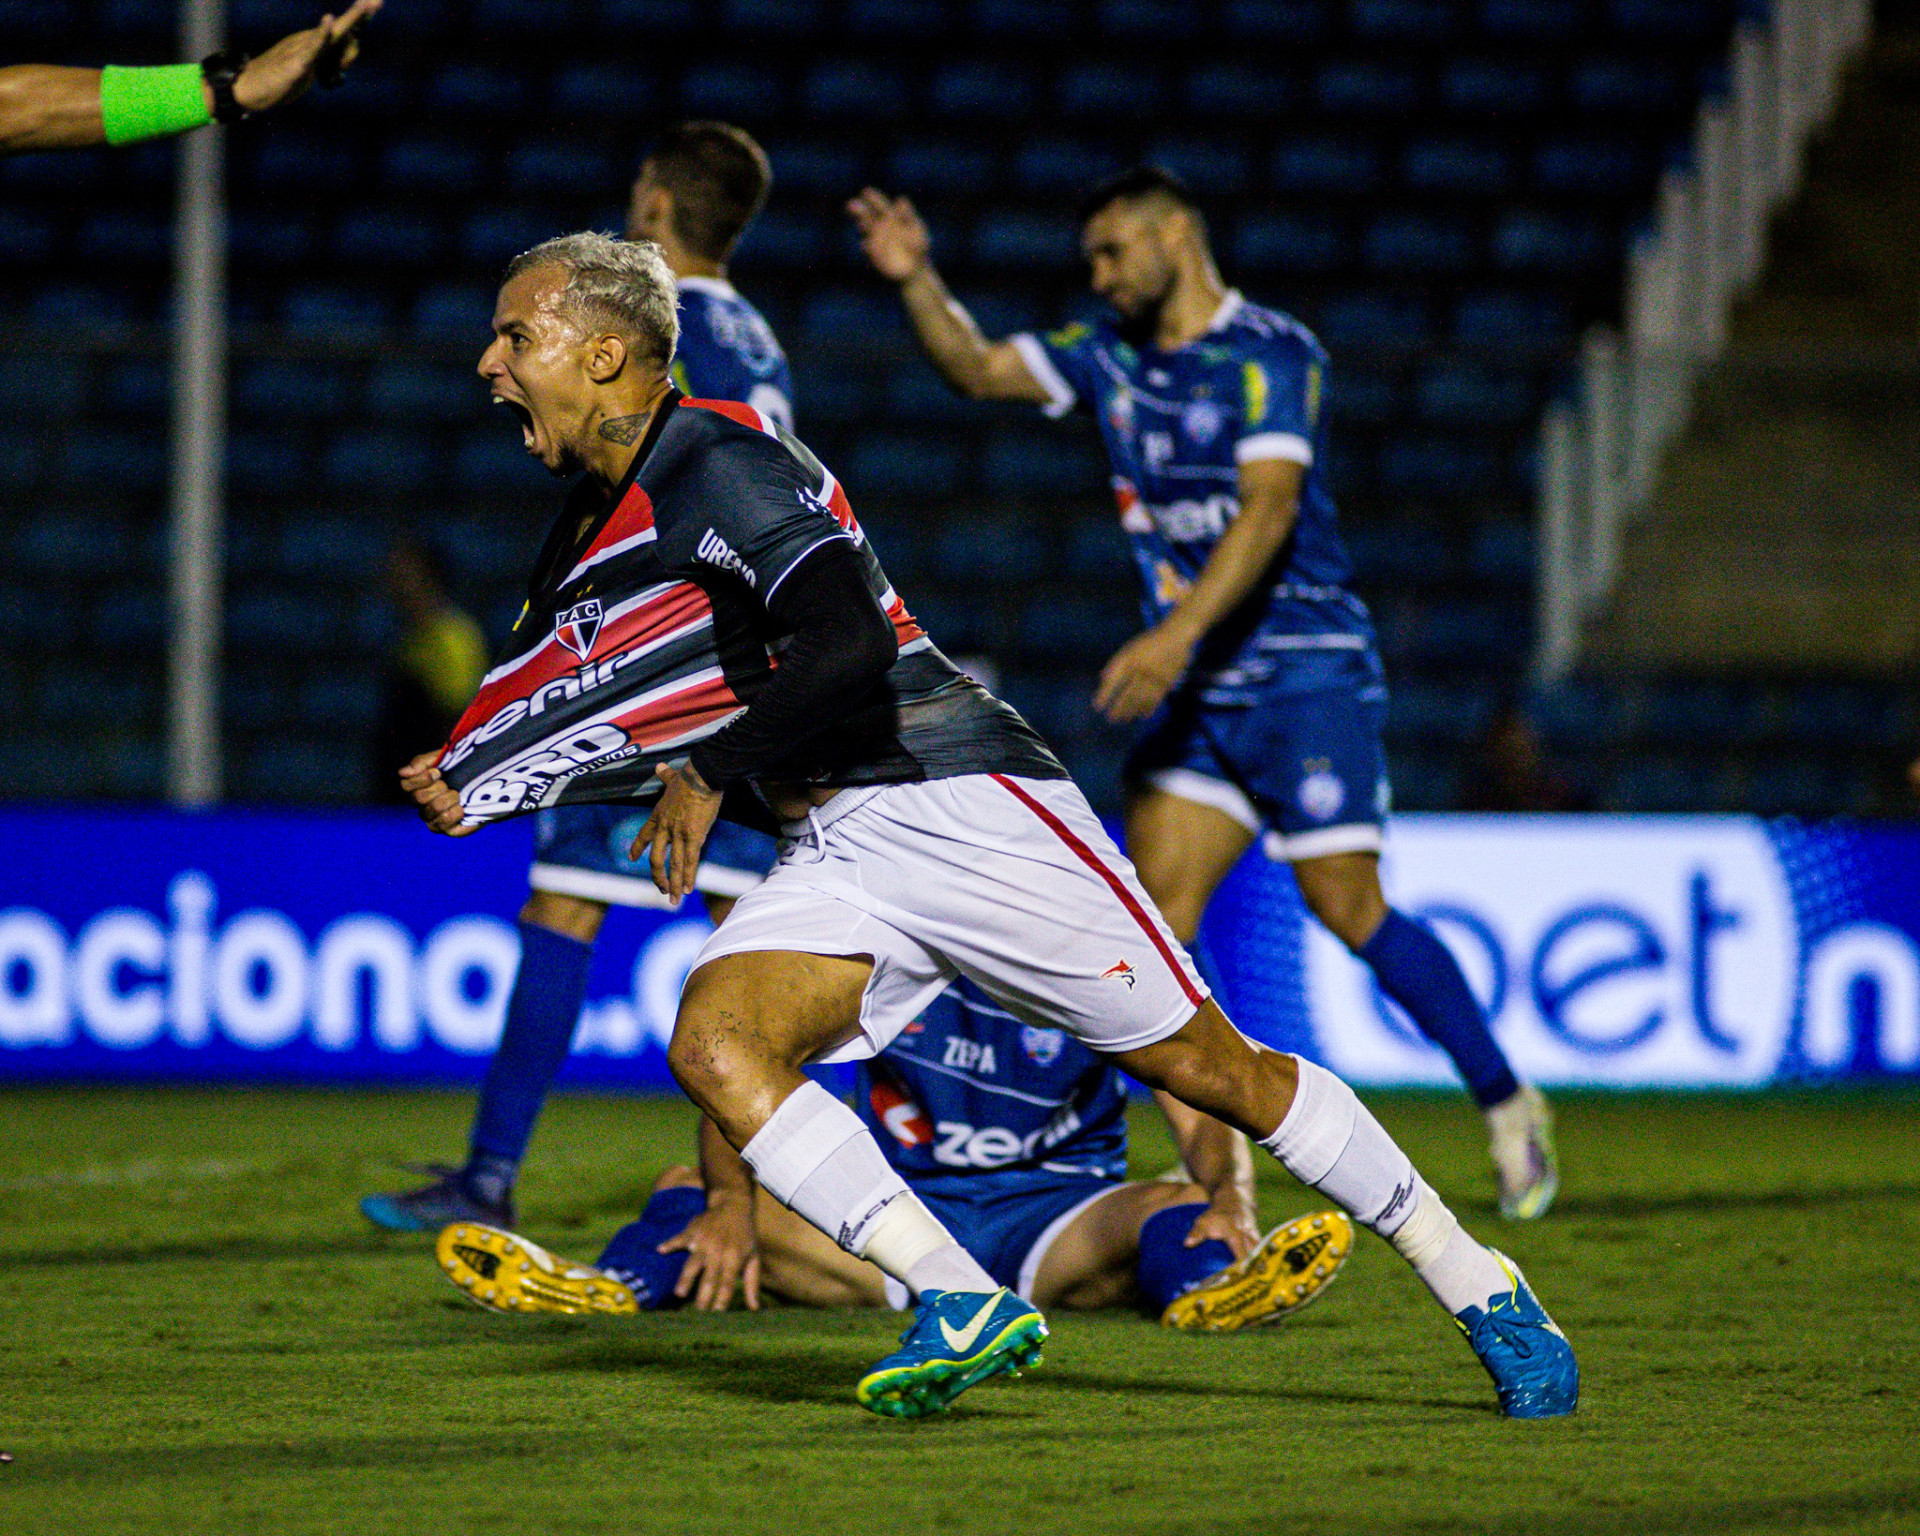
833,395
131,618
1405,21
991,551
1546,21
1109,90
378,463
1051,164
1589,165
1700,714
850,314
642,18
784,237
268,239
957,621
1423,710
131,768
1419,243
855,88
26,235
267,461
1029,463
1149,21
38,616
1477,86
1655,783
494,235
389,237
1502,551
781,16
1536,321
1532,241
381,91
265,621
334,549
269,18
1011,238
135,387
948,167
1403,551
278,392
1294,22
1453,163
292,771
104,695
734,91
125,239
1097,552
1076,628
426,392
1575,714
1291,242
1360,394
904,18
1626,85
1424,463
1001,311
125,461
1667,20
309,162
1031,18
455,312
1234,90
323,310
1056,704
82,306
1473,394
64,547
916,394
492,460
984,88
1213,167
1374,318
32,385
1370,86
515,22
829,166
600,89
1339,164
1422,781
914,464
549,168
341,701
468,90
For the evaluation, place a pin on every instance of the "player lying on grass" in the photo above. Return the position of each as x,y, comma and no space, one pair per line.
928,832
1257,684
53,106
1016,1138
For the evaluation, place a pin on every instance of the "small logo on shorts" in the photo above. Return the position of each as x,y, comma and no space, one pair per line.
1043,1046
1321,792
1120,972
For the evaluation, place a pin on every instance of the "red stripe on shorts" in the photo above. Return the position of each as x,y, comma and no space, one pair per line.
1118,886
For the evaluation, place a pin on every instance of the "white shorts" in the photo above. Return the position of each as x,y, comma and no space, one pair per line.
1012,883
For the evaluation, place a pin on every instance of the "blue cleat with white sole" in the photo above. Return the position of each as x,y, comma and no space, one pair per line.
446,1200
957,1339
1524,1351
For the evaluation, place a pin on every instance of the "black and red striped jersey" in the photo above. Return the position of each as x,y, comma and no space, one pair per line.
647,630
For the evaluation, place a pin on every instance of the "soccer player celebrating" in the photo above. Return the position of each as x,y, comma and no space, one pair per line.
51,106
1016,1138
1259,680
698,190
749,643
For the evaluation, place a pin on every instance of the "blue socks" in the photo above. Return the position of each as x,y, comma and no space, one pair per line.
630,1257
1168,1269
541,1016
1419,973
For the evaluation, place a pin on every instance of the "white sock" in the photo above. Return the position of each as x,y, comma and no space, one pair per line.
815,1157
1330,1141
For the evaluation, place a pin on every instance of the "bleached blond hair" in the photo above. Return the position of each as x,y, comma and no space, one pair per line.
622,285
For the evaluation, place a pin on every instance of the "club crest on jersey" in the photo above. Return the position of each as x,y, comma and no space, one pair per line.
1043,1046
579,627
1203,420
1119,972
1321,792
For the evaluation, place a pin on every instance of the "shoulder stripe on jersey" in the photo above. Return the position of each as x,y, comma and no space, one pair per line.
736,410
1060,394
1290,446
1094,862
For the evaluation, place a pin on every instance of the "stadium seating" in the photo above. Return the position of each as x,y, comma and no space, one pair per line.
1443,189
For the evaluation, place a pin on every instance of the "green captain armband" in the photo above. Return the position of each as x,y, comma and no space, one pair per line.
138,104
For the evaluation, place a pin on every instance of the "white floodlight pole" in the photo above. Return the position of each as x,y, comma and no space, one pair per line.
199,443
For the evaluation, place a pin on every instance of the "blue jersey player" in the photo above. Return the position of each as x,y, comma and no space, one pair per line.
1257,677
1015,1136
697,191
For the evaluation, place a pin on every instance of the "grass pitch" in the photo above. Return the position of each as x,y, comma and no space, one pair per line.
198,1333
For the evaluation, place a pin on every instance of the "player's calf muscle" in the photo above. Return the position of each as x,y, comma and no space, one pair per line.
1209,1065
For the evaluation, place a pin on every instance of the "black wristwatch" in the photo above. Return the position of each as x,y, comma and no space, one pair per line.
220,70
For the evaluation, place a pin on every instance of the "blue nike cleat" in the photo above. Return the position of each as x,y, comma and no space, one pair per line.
1524,1351
957,1338
440,1204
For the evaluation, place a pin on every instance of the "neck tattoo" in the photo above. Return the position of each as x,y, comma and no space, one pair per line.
624,430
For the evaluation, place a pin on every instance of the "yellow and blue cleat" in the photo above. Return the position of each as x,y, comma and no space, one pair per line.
1524,1351
503,1272
1289,1267
957,1339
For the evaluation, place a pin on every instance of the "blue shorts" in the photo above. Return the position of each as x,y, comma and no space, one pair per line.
1010,1221
1307,769
581,850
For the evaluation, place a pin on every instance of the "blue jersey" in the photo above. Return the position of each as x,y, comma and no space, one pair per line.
968,1092
727,352
1177,426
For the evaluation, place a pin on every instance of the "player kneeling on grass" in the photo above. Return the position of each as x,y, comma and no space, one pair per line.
1016,1137
928,833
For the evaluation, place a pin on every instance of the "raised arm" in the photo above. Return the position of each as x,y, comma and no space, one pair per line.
1219,1161
1144,670
896,242
45,106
